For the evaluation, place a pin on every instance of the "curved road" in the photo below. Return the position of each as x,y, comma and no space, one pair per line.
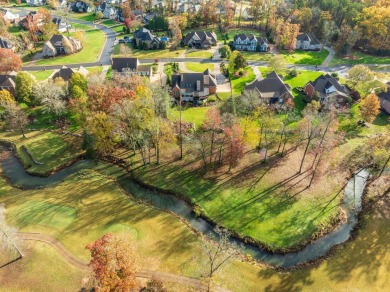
71,259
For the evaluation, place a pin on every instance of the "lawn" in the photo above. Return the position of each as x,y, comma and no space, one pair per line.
93,44
305,57
193,115
199,54
83,16
108,22
45,147
239,83
41,75
149,54
15,30
199,67
95,70
357,58
257,56
79,26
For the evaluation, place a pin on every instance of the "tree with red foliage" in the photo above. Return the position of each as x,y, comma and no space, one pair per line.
114,262
9,61
235,145
32,27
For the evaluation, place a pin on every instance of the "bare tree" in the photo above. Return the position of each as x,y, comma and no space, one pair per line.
15,118
8,234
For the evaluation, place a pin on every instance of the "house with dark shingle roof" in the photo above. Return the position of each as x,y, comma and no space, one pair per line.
7,82
66,73
6,44
193,86
144,36
328,89
130,66
200,39
248,42
272,89
384,98
308,42
60,44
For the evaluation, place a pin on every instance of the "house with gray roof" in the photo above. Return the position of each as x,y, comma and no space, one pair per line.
308,42
66,73
7,82
272,89
62,25
143,37
60,44
200,39
81,7
193,86
329,91
129,66
248,42
6,44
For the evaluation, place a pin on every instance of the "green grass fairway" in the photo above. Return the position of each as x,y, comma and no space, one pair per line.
238,83
93,44
198,67
199,54
46,147
357,58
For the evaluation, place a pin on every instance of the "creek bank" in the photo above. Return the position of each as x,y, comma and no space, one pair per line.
14,171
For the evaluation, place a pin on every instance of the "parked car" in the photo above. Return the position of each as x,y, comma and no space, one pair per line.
122,41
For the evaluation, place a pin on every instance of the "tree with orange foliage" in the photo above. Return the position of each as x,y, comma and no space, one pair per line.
286,35
370,107
235,145
114,262
9,61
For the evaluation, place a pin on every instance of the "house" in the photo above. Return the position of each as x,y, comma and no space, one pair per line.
272,89
62,26
248,42
308,42
9,16
193,86
81,7
200,39
61,44
328,89
150,16
7,82
60,4
130,66
36,2
145,39
66,73
384,98
6,44
109,11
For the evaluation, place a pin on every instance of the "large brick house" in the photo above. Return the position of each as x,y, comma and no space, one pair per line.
272,89
130,66
200,39
329,91
308,42
193,86
248,42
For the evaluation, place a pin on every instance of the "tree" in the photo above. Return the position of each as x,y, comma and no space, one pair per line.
277,64
114,262
370,107
347,37
48,30
218,253
229,13
101,128
99,15
225,51
76,83
174,26
126,11
237,61
154,285
80,35
235,145
286,35
8,234
374,25
362,79
53,3
6,98
15,118
45,15
9,61
304,17
24,87
212,125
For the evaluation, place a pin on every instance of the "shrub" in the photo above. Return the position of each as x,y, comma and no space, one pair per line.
294,73
212,98
334,74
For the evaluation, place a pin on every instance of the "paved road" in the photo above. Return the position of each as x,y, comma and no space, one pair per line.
71,259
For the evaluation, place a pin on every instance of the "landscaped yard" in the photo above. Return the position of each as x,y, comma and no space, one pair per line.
93,44
193,115
47,148
257,56
149,54
199,67
238,83
199,54
83,16
41,75
356,58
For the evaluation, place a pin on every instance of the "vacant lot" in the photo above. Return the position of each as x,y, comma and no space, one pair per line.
356,58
